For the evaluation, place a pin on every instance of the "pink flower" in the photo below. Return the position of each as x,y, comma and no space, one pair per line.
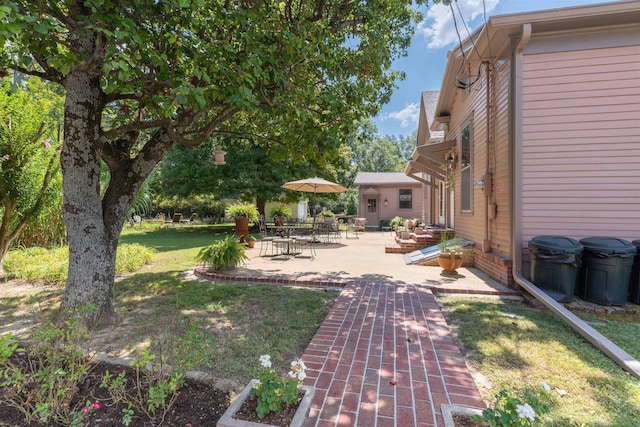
85,409
47,143
96,405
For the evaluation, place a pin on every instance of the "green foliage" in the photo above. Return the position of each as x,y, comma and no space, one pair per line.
223,255
44,388
29,170
247,210
396,223
450,245
523,410
273,391
159,376
50,264
280,210
327,214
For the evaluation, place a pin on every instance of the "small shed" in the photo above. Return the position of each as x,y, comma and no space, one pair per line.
385,195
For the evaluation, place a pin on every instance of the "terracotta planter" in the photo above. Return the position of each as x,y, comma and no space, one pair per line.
250,243
242,226
227,419
450,262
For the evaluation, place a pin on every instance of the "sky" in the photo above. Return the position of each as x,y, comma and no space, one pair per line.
434,37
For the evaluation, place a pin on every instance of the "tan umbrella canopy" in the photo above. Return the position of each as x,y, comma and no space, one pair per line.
314,185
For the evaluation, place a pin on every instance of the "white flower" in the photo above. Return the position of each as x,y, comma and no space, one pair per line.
526,411
297,370
265,360
545,386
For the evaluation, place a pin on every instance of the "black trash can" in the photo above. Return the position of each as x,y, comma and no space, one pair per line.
606,269
555,263
634,283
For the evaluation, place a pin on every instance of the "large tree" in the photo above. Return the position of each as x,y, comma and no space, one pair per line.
164,72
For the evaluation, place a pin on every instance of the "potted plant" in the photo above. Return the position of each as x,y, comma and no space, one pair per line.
279,213
250,241
270,394
396,224
223,255
450,258
242,213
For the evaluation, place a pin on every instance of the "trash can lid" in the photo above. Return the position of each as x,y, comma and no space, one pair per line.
609,245
557,243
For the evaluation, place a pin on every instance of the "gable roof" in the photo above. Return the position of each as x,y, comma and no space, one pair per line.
428,102
379,178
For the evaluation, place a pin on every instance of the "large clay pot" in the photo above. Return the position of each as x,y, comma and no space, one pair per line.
242,227
450,262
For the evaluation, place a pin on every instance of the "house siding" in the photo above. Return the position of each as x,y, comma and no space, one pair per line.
500,227
472,105
581,128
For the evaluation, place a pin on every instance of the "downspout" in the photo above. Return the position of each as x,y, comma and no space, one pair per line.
622,358
486,242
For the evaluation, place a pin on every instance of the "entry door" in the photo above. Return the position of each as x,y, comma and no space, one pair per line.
372,212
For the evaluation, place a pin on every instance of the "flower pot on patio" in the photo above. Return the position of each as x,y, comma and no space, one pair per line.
450,262
228,420
242,226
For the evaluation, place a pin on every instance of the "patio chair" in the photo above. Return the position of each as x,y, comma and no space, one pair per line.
176,218
265,238
356,226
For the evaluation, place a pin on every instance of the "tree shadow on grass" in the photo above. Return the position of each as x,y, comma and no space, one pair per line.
509,337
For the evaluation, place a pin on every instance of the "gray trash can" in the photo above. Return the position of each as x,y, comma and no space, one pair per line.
634,283
555,263
606,269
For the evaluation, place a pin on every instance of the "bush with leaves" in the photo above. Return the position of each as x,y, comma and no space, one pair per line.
273,391
41,381
223,255
159,375
517,410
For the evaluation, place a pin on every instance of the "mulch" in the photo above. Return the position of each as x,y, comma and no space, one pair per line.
197,405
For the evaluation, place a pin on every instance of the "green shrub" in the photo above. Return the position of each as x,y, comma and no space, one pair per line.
280,210
396,223
51,264
242,209
223,255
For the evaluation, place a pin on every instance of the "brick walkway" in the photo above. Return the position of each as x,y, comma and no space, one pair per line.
384,356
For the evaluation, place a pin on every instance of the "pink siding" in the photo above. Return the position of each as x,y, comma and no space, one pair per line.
581,143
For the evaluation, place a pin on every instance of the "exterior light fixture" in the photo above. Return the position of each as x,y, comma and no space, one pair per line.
219,156
386,202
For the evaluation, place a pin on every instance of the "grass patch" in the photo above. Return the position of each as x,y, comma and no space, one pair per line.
515,346
157,307
51,264
622,329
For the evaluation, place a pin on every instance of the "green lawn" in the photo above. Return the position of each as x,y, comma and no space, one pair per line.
513,346
157,306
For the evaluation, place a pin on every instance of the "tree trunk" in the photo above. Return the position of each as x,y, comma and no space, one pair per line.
94,224
91,249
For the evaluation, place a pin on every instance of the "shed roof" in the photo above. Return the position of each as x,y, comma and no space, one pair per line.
380,178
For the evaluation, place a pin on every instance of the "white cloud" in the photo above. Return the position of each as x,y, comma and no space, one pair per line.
407,116
438,27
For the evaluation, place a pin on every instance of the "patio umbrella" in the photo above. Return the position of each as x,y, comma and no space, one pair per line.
314,185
